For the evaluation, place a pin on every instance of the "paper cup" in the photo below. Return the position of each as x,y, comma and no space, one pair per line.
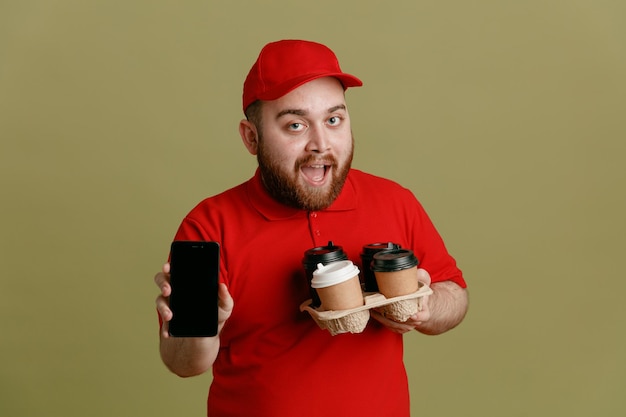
396,272
338,286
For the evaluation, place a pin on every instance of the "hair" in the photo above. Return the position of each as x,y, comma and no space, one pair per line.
253,114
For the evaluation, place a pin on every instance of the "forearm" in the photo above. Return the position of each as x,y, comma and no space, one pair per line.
189,356
447,305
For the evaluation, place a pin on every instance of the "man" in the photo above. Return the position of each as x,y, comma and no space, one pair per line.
270,359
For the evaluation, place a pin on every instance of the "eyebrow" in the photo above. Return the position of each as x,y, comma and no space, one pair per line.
300,112
297,112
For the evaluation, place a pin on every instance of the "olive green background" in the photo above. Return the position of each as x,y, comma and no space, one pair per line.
505,118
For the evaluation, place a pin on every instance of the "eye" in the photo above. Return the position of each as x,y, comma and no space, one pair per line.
334,121
295,127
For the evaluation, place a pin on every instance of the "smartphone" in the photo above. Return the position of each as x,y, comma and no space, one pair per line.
194,270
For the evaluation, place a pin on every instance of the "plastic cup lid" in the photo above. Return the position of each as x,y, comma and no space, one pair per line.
393,260
372,248
333,273
323,254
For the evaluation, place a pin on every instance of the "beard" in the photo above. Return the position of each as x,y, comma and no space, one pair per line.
283,185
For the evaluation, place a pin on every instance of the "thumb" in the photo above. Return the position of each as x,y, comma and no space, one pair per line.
225,300
423,276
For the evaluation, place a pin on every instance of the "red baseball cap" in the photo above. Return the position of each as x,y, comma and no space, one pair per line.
287,64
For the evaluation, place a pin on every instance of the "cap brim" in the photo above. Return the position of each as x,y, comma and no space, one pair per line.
280,90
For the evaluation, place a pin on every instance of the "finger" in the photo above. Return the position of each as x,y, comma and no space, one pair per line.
225,299
394,326
166,289
423,276
421,316
416,320
159,279
163,282
163,308
165,272
165,329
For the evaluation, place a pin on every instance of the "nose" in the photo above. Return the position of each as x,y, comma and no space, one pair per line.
318,142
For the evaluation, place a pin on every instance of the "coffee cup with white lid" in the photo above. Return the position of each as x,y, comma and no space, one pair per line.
324,255
338,285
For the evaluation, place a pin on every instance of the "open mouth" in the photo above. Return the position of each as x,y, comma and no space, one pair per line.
315,173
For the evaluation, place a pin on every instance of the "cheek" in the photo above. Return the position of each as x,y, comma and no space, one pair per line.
287,154
284,156
345,148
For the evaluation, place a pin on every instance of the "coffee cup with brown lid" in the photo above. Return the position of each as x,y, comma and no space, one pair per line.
367,255
396,272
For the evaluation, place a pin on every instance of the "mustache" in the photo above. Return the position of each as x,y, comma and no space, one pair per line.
315,160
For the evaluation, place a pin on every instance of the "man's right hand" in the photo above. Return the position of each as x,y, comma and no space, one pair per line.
188,356
162,280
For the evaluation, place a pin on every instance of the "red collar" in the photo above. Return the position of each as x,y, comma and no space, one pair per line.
271,209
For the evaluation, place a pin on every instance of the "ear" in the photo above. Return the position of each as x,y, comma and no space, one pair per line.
249,136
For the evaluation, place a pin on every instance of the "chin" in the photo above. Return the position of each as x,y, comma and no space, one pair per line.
316,198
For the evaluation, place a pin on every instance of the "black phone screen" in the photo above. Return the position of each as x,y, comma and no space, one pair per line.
194,269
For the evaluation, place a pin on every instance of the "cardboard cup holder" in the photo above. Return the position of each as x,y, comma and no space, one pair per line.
355,319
